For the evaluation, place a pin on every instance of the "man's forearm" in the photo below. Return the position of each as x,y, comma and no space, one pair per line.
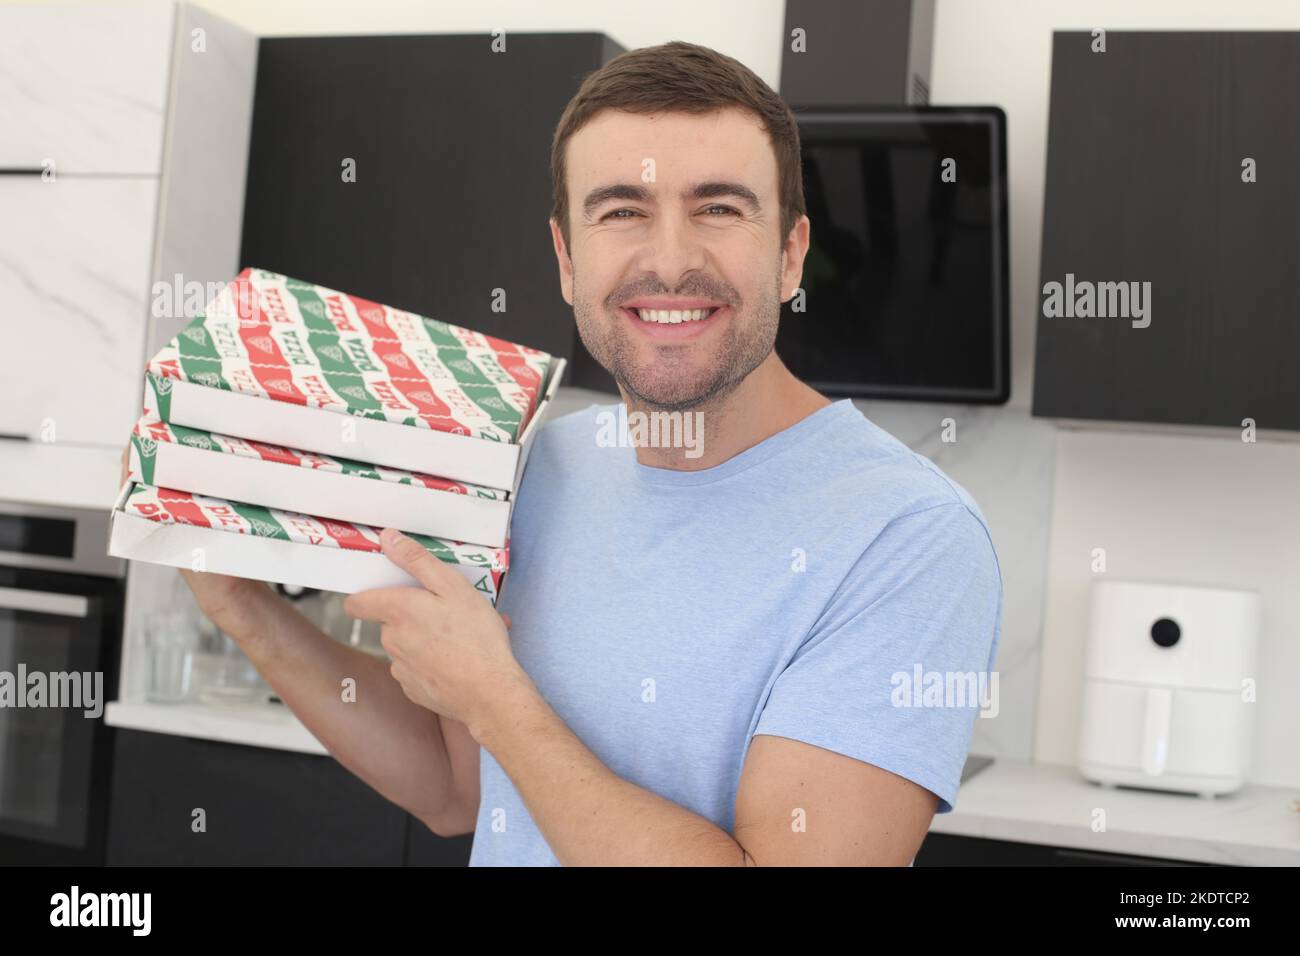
380,735
589,815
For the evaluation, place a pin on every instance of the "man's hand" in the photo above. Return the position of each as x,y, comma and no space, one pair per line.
229,602
450,648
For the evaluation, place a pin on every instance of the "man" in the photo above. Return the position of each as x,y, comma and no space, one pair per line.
707,654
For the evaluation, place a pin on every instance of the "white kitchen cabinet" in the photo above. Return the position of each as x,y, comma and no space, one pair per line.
85,86
75,259
93,87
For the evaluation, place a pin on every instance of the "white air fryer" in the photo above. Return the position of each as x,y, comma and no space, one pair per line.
1164,701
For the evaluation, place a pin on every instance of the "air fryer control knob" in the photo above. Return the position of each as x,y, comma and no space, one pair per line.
1166,632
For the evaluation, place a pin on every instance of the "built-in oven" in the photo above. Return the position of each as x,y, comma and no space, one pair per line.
61,611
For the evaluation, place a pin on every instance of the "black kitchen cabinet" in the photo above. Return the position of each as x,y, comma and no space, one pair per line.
450,145
262,807
946,849
426,848
1145,154
857,53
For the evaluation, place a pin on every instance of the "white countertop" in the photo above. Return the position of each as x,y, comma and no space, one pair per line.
1053,805
273,726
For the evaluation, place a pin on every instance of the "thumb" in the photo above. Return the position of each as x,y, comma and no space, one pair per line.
506,617
409,555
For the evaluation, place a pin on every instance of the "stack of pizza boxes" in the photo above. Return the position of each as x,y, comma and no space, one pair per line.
290,423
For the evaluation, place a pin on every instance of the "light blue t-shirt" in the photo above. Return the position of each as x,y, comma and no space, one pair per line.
810,587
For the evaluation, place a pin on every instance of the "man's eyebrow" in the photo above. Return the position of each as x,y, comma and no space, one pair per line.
638,193
714,190
603,194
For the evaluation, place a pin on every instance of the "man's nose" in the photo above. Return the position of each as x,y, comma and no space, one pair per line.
672,248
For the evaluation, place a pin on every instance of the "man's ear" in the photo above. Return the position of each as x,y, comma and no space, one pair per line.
564,260
794,250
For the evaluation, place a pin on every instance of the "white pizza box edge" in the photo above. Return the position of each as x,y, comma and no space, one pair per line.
478,461
291,563
326,494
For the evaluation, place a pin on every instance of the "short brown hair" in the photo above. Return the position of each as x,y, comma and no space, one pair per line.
687,78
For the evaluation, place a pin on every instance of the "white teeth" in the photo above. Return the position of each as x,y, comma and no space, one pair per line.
672,316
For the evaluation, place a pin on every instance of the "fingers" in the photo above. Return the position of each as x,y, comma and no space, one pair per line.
400,673
506,617
410,556
380,604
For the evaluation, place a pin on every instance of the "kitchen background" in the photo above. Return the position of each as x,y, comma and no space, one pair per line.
1181,504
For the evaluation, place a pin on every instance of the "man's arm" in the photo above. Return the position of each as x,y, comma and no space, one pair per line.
801,805
425,764
451,654
796,805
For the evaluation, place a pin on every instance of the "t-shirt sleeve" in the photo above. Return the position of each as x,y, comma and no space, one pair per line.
900,663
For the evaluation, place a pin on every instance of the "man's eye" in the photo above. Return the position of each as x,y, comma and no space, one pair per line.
726,209
615,214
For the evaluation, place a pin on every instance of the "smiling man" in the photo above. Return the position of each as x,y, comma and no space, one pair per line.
742,655
706,656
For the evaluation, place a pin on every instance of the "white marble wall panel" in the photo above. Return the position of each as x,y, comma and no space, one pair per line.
74,280
84,85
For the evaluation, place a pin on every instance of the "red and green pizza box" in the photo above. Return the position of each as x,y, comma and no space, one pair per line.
295,364
223,466
181,529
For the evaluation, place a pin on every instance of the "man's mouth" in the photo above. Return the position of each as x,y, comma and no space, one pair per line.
673,316
673,321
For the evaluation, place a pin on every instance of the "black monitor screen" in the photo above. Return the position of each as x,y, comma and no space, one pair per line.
904,285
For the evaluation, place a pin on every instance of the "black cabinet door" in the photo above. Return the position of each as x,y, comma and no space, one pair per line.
946,849
863,53
426,848
1145,156
261,807
450,143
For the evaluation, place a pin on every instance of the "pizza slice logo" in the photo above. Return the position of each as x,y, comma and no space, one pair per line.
264,529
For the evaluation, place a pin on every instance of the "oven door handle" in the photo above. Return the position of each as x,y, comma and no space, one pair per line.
44,602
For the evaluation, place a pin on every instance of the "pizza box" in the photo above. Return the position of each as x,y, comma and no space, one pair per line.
184,530
222,466
295,364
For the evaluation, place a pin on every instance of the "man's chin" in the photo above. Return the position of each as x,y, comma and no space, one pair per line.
674,395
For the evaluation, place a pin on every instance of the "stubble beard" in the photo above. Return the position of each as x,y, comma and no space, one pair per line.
667,383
